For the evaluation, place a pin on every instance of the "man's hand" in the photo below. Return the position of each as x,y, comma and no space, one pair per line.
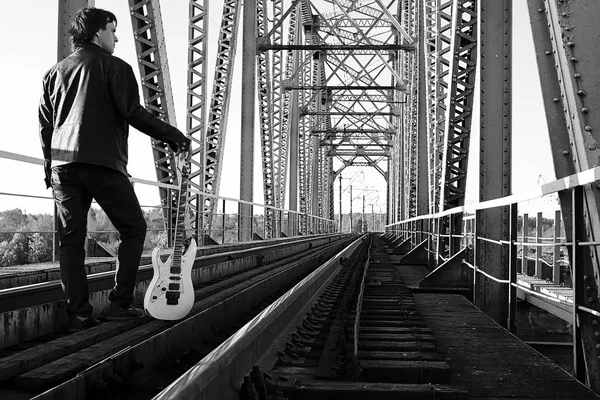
182,145
48,173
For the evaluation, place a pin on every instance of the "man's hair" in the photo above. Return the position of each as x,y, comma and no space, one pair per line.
87,22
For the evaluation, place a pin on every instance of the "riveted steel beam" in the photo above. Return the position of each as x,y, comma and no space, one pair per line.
460,110
340,47
196,110
265,112
495,157
566,36
247,119
220,100
151,52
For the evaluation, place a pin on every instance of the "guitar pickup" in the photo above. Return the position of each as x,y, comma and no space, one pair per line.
172,297
173,286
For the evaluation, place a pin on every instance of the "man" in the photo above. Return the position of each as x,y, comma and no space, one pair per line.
88,102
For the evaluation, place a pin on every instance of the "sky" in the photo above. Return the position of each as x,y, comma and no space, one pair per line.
30,50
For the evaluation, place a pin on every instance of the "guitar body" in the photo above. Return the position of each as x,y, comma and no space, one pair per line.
171,296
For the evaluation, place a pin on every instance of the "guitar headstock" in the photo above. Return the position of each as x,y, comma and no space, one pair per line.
183,162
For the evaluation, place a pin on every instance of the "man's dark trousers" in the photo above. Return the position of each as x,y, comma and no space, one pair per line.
74,186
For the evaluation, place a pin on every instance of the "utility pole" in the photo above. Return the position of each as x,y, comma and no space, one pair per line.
372,219
364,223
340,202
350,208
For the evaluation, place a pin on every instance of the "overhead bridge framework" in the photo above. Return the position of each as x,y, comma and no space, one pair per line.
390,86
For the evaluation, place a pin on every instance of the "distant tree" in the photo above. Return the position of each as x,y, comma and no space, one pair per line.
14,252
11,221
8,256
156,239
39,249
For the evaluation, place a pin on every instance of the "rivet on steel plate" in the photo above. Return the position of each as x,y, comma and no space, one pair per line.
588,128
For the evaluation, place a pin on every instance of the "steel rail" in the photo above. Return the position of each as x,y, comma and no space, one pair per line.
219,374
40,293
212,312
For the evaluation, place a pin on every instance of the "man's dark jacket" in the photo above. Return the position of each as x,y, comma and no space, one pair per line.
88,102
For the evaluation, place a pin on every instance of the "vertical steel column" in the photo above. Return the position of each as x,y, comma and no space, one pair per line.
566,36
265,112
247,119
156,87
495,157
289,122
422,178
219,102
280,135
512,290
458,111
196,108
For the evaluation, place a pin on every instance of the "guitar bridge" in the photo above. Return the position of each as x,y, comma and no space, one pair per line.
172,297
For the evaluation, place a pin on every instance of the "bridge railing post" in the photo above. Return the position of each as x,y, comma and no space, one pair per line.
223,222
577,277
524,248
477,279
512,270
538,250
556,253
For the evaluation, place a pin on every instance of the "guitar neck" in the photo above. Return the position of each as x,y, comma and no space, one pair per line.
179,234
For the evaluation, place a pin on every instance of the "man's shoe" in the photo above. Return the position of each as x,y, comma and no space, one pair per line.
78,323
114,312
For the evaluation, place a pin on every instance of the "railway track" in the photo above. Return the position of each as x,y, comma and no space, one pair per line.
137,359
349,330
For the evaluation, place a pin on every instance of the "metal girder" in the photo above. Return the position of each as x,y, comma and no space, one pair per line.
289,125
156,87
362,22
495,154
438,34
219,101
280,135
367,133
565,35
265,106
359,153
351,113
305,140
421,123
460,109
409,65
247,120
339,87
196,109
376,48
362,97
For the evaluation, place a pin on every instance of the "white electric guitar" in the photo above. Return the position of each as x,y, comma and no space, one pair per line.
170,295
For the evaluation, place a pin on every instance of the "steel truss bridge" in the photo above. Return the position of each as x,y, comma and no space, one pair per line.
390,85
